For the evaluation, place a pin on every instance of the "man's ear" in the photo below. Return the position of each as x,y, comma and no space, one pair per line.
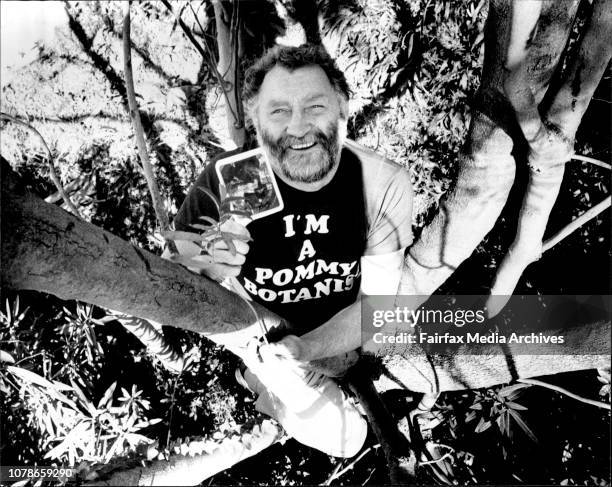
251,110
343,104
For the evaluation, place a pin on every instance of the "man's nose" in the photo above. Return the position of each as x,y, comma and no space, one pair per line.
299,125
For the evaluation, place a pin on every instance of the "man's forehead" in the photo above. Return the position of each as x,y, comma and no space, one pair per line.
305,83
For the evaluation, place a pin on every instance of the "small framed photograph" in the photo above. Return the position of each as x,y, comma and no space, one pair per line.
247,182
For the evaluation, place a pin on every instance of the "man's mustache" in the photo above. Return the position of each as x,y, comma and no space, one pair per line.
286,141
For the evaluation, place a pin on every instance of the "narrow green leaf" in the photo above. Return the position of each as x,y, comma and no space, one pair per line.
208,219
189,236
510,389
483,425
208,193
519,420
108,396
515,405
6,357
236,236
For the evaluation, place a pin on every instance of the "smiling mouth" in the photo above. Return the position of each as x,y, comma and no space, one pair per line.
302,146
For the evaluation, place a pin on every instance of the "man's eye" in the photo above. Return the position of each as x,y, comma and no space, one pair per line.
317,107
279,111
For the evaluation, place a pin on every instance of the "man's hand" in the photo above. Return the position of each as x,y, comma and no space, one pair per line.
219,261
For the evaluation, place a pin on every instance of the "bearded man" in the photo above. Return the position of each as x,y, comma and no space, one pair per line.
343,230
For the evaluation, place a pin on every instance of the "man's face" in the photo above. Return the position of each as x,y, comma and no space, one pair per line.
299,122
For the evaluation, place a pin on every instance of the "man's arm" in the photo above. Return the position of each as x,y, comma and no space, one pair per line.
342,333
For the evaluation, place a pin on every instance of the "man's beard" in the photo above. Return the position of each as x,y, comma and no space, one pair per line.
311,165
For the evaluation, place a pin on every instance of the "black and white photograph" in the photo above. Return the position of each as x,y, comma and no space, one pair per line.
305,242
249,178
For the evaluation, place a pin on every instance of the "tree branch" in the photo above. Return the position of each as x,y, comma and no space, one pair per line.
206,458
576,224
553,387
401,460
158,205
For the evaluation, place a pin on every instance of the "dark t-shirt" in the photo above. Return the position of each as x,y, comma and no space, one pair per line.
304,261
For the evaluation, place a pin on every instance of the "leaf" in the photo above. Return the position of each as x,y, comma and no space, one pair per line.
189,236
203,228
30,377
208,193
6,357
208,219
83,399
507,391
108,396
244,213
519,420
470,416
516,406
236,236
482,425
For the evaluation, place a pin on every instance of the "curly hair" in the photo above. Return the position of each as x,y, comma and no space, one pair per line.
292,58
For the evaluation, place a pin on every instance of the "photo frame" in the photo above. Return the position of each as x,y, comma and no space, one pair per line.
248,182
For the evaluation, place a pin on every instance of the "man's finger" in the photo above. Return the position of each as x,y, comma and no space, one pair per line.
241,247
225,257
235,227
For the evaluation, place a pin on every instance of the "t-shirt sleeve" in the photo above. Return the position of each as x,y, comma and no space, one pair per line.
197,203
390,216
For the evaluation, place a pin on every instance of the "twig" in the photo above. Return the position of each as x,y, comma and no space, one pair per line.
587,215
577,223
585,400
593,161
349,466
443,457
334,473
369,476
176,381
52,172
160,212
